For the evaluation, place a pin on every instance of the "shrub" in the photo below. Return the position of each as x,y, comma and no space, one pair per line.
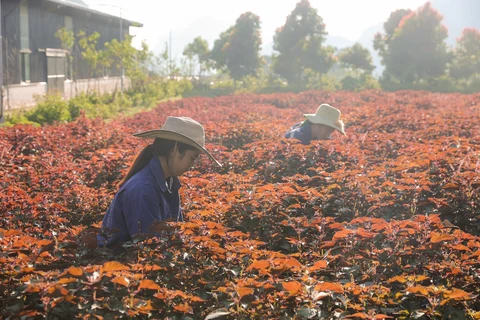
434,84
157,89
18,118
183,86
92,104
50,108
350,83
316,81
364,82
120,102
205,90
473,86
151,94
440,84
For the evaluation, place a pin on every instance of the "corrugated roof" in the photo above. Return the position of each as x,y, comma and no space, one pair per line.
81,7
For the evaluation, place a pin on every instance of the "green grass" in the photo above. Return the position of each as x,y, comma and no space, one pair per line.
130,112
16,111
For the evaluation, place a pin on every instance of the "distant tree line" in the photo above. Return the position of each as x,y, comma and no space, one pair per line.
412,48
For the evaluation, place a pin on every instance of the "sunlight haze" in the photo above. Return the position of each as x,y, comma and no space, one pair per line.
187,19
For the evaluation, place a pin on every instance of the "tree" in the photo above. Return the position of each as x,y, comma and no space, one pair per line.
162,62
197,52
66,37
122,54
357,61
243,49
466,60
382,42
299,44
218,53
67,41
89,52
413,48
165,66
357,57
238,49
118,54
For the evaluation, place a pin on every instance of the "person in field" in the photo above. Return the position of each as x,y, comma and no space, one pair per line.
317,126
150,190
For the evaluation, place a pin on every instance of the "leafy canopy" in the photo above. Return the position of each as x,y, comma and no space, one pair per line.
357,57
299,44
198,53
413,47
466,61
238,49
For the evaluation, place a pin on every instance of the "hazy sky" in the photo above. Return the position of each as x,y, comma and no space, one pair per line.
187,19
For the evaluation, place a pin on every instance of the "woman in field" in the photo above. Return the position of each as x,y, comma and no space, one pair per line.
149,192
318,126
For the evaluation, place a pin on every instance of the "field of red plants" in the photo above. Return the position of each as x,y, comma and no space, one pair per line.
384,223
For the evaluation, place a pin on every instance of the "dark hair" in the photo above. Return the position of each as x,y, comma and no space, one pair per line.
159,147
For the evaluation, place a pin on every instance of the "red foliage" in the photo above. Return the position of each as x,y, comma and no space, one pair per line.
381,224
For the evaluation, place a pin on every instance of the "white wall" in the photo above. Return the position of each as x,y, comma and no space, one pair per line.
100,85
23,95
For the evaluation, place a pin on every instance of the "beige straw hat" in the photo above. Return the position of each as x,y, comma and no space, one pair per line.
329,116
181,129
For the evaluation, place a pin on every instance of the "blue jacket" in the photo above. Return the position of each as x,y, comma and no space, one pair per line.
143,199
300,131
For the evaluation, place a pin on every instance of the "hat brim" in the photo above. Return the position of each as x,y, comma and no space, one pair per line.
313,119
175,136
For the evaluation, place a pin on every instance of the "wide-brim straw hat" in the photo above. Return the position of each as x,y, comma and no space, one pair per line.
328,116
181,129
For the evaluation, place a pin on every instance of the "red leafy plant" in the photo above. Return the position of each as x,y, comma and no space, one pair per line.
381,224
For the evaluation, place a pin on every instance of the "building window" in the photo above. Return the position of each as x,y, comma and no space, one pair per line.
24,32
25,64
68,23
